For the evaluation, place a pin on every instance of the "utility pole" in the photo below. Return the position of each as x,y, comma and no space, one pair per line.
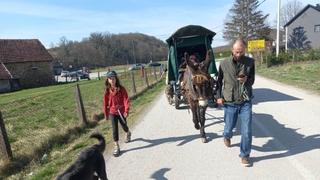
278,29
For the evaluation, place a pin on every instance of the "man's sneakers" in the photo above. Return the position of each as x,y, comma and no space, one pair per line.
128,137
227,142
245,161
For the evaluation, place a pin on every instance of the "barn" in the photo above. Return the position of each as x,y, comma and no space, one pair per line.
5,79
25,62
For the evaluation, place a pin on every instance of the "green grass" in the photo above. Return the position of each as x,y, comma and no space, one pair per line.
304,75
61,156
40,120
222,54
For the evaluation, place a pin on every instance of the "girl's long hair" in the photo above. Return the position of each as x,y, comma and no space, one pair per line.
108,85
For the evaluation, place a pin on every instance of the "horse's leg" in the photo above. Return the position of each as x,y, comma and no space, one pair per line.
202,118
195,115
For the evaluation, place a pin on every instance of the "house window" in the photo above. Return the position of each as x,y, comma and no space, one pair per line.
317,28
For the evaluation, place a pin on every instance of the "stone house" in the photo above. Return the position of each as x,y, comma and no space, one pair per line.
27,61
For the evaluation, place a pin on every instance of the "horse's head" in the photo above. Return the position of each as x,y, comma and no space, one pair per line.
198,79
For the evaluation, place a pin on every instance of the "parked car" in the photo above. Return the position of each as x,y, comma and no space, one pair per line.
154,64
73,74
136,67
83,75
64,73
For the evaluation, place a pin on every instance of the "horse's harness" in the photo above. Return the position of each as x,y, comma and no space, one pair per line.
197,79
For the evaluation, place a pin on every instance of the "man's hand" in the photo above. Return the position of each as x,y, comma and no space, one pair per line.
242,79
220,101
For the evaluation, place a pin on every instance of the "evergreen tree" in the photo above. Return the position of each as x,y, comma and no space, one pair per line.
299,40
246,21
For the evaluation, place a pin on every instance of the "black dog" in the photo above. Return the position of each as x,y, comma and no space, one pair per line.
89,162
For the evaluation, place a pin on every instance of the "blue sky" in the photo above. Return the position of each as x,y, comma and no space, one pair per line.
49,20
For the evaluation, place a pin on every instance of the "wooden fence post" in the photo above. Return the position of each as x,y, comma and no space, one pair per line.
80,107
146,79
134,89
5,149
155,73
98,75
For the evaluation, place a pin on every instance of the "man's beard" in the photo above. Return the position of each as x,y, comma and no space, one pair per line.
237,58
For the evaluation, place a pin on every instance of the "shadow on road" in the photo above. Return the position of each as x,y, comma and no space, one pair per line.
183,107
183,139
159,174
212,117
283,138
267,95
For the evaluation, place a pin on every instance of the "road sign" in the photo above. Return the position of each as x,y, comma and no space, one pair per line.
256,45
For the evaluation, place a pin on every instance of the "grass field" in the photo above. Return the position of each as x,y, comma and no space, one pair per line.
304,75
42,122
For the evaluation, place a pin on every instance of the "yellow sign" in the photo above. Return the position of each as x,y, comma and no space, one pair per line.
256,45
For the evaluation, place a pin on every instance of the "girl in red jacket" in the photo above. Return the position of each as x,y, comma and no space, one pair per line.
116,106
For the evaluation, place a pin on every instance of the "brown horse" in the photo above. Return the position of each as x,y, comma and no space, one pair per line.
196,88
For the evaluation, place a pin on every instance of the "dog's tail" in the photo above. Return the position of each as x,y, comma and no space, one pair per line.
102,142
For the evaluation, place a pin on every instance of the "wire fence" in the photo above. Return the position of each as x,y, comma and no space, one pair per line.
31,117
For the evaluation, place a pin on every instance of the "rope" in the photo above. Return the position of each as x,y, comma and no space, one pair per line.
244,92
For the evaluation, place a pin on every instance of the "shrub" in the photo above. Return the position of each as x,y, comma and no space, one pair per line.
292,56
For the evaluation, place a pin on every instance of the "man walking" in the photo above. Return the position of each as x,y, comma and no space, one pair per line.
235,79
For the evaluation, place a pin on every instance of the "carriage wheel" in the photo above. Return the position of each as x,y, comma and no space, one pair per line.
169,94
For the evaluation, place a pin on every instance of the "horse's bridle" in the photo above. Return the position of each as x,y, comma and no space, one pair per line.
199,78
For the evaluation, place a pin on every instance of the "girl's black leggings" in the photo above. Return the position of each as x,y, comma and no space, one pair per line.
115,130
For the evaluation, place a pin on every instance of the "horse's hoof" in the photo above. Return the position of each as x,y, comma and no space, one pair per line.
204,140
197,126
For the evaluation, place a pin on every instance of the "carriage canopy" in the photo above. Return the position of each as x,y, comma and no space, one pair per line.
192,39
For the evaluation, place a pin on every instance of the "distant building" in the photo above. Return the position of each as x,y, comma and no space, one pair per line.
303,30
57,68
7,82
25,61
272,40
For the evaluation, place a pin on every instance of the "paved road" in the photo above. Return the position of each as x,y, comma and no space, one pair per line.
286,142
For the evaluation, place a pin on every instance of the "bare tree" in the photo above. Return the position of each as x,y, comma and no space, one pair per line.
289,10
105,49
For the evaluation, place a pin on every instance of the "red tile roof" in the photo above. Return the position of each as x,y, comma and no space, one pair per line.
4,73
23,50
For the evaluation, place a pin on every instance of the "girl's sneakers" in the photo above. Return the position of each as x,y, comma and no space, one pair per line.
128,137
116,151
